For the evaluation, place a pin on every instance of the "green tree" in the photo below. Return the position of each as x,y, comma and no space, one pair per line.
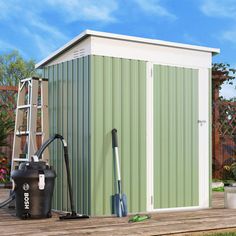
14,68
6,126
228,72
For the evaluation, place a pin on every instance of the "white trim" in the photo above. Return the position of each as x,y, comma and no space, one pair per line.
203,137
150,52
62,49
123,38
152,41
81,49
149,135
193,208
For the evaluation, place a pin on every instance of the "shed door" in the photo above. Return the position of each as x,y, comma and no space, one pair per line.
175,140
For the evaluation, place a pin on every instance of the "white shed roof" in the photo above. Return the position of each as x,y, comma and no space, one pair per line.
88,33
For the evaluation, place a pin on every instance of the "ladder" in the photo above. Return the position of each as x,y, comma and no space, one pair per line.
32,100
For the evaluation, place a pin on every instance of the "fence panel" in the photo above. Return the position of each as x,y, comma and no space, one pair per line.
224,135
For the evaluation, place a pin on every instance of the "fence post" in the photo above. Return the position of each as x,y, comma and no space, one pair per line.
218,79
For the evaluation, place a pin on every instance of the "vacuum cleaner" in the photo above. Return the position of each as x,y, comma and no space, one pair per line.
33,184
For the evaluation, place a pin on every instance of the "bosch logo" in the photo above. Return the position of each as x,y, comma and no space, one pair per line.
25,187
26,201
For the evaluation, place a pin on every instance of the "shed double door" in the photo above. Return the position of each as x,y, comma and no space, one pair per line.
175,137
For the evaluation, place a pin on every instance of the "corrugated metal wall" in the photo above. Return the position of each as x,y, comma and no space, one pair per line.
69,116
175,137
118,100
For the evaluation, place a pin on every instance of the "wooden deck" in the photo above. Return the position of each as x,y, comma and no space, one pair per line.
179,223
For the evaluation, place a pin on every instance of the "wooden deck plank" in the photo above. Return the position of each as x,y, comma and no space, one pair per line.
179,223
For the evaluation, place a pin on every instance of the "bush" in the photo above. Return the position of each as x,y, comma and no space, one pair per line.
229,169
4,170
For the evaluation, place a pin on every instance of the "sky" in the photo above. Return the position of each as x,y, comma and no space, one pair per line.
37,28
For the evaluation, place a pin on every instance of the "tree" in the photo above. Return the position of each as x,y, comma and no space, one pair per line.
6,126
14,68
229,75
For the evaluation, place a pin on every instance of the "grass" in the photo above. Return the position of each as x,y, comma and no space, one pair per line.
218,189
222,234
217,180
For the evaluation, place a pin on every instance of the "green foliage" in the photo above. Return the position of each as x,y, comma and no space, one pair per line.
4,170
218,189
14,68
229,169
6,126
230,73
222,234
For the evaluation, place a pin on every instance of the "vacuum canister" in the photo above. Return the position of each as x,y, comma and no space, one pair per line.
34,184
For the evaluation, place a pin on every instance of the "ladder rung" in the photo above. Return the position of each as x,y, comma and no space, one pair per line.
20,159
28,79
27,106
20,133
23,106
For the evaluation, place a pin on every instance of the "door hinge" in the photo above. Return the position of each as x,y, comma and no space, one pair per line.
151,200
151,71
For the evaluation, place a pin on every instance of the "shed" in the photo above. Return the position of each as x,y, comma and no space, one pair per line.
158,96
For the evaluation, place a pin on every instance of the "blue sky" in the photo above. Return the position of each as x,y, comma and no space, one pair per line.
37,28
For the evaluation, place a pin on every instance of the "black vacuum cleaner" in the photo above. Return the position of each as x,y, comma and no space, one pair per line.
34,184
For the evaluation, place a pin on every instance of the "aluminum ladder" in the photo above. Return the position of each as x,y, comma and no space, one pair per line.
32,100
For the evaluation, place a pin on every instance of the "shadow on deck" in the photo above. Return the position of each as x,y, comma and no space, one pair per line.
178,223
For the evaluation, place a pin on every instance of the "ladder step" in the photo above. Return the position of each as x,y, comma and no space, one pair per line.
39,133
27,106
28,79
21,159
21,133
23,107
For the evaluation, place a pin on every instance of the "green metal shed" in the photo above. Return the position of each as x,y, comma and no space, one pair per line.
158,95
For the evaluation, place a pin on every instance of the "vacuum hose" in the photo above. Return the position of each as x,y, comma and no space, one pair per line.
9,200
66,157
38,154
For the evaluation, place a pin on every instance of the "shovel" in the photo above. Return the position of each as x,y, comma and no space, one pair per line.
119,199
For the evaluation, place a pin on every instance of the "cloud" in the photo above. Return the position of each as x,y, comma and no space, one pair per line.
44,46
229,35
42,25
30,25
228,91
219,8
90,10
6,46
191,39
155,7
222,9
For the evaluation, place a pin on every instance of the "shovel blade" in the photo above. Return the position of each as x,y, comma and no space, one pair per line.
120,205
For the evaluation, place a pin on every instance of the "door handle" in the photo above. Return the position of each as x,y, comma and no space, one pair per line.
201,122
